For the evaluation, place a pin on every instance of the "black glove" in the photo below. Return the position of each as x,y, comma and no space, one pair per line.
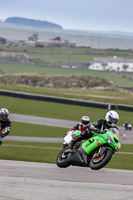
84,132
71,144
97,130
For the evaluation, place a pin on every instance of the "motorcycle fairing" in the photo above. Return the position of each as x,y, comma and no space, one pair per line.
79,158
92,143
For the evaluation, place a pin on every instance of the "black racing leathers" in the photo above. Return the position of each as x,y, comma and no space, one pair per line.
5,127
102,124
85,133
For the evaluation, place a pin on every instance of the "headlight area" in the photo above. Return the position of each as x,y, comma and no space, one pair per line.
110,140
117,148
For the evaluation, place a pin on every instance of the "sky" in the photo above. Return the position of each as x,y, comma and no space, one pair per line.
103,15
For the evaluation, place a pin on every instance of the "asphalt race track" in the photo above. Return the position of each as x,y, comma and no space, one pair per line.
37,181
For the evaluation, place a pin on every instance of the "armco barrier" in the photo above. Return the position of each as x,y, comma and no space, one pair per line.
125,107
58,100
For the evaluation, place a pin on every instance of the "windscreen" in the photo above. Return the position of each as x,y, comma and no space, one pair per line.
115,132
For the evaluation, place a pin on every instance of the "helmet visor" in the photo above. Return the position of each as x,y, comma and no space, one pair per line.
4,117
85,122
114,121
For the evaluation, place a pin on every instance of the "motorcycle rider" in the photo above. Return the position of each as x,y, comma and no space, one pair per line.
85,127
110,121
5,123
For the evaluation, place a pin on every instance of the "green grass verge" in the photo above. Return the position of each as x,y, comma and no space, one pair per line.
57,110
47,153
126,148
32,144
35,130
115,96
121,161
28,152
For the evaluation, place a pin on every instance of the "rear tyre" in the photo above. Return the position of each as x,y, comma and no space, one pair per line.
99,162
62,160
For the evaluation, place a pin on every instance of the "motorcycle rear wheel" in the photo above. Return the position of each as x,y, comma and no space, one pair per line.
62,160
99,162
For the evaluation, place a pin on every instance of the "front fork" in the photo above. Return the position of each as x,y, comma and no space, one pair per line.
101,151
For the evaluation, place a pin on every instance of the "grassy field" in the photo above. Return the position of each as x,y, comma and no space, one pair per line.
67,57
71,54
15,68
72,50
35,130
36,152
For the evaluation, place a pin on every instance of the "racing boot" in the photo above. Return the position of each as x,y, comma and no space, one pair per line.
74,141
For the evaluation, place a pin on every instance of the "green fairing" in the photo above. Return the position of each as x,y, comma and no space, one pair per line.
92,144
98,140
77,133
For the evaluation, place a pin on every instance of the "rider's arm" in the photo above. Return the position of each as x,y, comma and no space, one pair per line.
5,131
93,128
75,127
98,124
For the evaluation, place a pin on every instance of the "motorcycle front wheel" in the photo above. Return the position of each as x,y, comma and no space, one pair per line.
99,162
62,160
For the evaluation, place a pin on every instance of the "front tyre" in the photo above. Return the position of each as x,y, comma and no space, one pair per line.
99,162
62,160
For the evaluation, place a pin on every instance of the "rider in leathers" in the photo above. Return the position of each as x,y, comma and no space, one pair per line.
98,126
85,127
110,121
5,123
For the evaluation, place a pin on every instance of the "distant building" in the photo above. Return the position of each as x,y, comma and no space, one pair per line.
112,64
29,43
57,38
34,41
12,42
55,42
34,37
2,40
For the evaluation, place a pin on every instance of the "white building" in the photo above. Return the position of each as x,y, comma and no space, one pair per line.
112,64
55,43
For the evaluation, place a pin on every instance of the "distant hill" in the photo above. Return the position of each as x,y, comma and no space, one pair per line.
32,23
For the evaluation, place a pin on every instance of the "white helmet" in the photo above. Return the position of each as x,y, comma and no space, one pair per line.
4,114
112,118
85,121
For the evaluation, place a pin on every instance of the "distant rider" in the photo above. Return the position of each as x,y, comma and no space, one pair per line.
5,123
85,127
126,125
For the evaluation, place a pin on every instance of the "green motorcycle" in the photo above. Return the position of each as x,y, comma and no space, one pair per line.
95,152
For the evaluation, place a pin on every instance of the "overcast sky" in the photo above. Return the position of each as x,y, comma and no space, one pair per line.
105,15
